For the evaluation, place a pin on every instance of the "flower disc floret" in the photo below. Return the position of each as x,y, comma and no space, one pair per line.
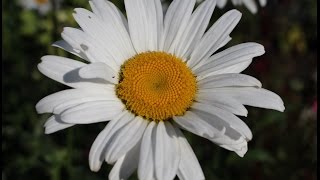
156,85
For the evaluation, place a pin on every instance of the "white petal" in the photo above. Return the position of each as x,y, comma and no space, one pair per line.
125,139
112,16
55,124
195,125
251,5
221,3
99,70
225,119
145,19
241,151
77,102
165,6
95,9
223,42
236,2
204,126
236,68
176,19
222,102
217,34
230,79
66,71
67,47
92,112
210,126
251,96
95,52
72,97
28,4
97,151
263,2
167,156
188,38
189,167
146,162
117,45
126,165
233,56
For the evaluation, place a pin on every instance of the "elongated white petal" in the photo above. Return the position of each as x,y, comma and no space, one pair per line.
117,45
221,3
186,40
95,52
91,25
189,167
240,149
145,19
99,70
113,17
92,112
233,56
226,80
67,47
146,160
236,68
236,2
202,124
223,102
95,9
54,124
217,34
223,42
251,5
176,20
125,139
263,2
209,126
97,151
84,102
66,71
189,122
225,119
167,149
126,165
68,97
251,96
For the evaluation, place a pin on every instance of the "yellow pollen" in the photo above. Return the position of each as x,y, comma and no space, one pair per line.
156,86
40,2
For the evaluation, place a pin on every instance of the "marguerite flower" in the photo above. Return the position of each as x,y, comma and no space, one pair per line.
250,4
151,76
43,6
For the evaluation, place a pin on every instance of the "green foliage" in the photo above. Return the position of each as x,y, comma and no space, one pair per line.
283,146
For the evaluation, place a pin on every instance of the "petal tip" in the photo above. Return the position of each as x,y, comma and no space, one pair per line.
48,131
242,151
94,167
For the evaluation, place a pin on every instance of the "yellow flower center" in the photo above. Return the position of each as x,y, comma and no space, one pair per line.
156,86
40,2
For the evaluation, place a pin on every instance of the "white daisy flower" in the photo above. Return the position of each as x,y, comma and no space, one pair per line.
151,76
43,6
250,4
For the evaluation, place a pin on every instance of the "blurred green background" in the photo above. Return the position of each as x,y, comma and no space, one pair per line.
284,144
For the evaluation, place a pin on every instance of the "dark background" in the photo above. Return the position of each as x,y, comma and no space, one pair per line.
284,144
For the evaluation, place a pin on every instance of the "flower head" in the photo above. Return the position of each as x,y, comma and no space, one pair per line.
43,6
151,76
250,4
